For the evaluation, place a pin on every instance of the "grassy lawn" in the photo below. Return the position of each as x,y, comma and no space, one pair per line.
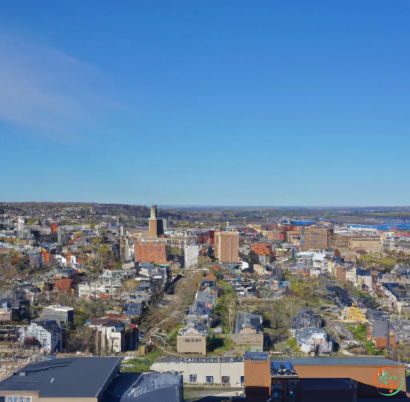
386,261
360,334
143,363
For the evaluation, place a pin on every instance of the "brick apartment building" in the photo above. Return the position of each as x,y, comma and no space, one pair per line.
338,241
228,246
316,238
150,252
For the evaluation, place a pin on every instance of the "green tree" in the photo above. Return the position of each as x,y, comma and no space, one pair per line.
227,307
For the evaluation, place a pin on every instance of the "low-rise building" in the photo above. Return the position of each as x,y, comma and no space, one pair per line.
57,313
314,340
101,289
364,277
380,333
369,244
307,318
5,314
216,370
191,340
398,295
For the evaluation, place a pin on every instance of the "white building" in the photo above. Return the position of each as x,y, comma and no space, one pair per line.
49,335
20,224
351,275
365,280
108,287
313,340
110,338
191,253
204,370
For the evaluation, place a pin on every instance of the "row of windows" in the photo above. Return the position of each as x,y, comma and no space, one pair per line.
192,340
210,379
18,399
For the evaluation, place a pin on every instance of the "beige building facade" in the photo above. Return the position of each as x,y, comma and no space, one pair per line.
371,245
205,370
316,238
228,249
191,344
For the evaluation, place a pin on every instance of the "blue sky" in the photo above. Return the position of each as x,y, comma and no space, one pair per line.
207,102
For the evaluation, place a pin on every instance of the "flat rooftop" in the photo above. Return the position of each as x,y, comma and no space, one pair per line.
343,361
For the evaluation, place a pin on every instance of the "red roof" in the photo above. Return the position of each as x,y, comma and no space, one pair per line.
210,277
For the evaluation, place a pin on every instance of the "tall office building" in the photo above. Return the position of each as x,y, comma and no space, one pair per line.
217,234
20,224
156,227
124,249
228,246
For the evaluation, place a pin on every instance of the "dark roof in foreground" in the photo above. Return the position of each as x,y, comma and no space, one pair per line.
343,361
145,387
70,377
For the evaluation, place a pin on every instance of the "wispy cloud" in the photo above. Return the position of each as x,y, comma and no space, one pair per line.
50,93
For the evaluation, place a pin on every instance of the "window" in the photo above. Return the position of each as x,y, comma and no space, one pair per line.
209,379
197,340
226,380
192,378
188,340
242,379
17,399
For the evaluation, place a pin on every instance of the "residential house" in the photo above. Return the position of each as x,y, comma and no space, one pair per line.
380,333
314,340
249,331
364,278
209,280
307,318
398,295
